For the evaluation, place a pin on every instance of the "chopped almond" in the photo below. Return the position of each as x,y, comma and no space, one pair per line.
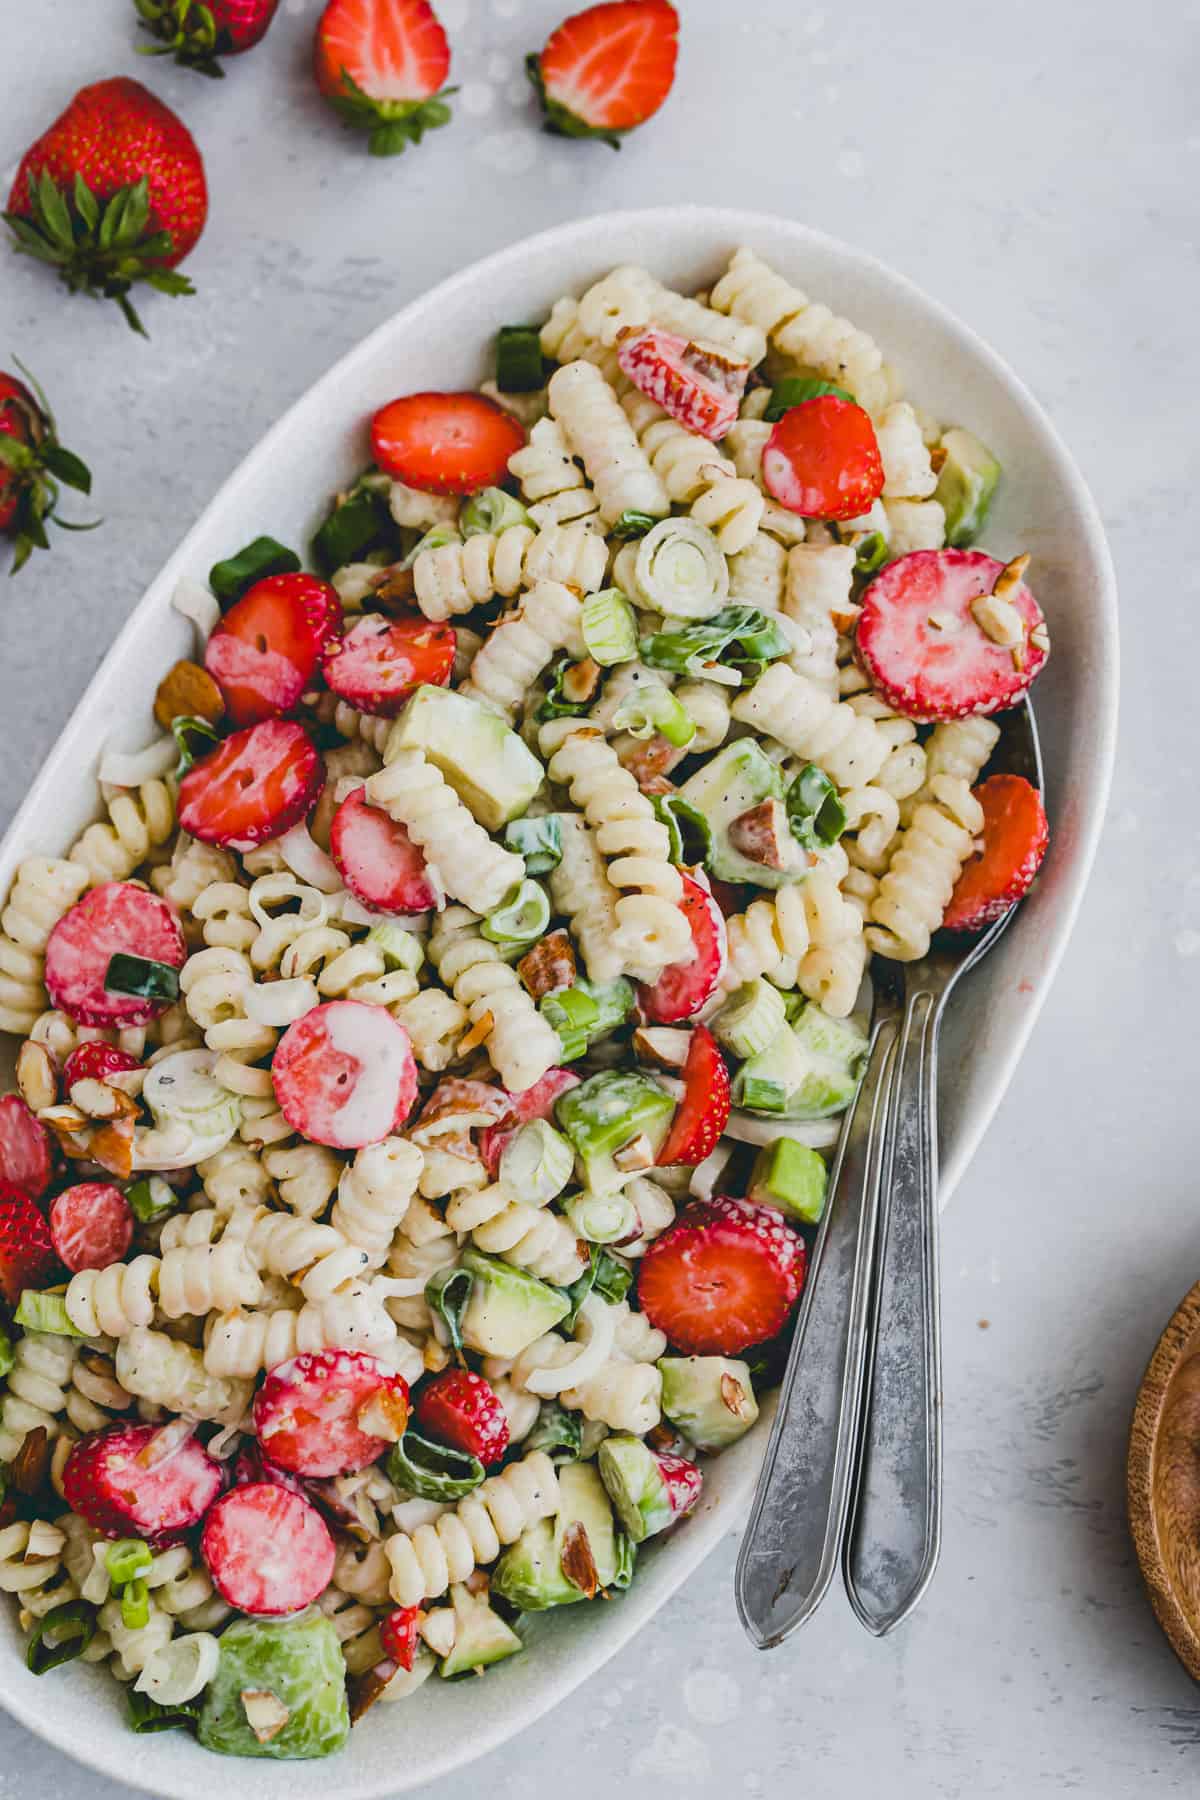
265,1712
637,1154
762,835
578,1563
30,1466
581,681
385,1415
662,1045
187,692
550,966
36,1079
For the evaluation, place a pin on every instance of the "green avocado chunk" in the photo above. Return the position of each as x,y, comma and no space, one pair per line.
531,1575
481,1637
629,1470
709,1398
809,1070
739,777
299,1662
605,1113
790,1177
490,769
507,1308
967,481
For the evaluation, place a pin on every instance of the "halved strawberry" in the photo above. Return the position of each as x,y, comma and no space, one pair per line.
703,1113
91,1225
377,859
96,1061
266,650
1015,835
699,386
113,1480
330,1412
683,987
398,1634
253,786
379,662
462,1409
117,918
822,460
445,443
27,1255
381,65
924,649
607,69
26,1159
724,1276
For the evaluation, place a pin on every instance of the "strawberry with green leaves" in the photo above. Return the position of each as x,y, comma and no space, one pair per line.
111,194
32,463
606,70
382,65
198,33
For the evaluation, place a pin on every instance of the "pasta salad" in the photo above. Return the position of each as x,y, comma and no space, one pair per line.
429,1060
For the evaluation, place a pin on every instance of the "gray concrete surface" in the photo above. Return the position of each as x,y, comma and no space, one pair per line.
1036,167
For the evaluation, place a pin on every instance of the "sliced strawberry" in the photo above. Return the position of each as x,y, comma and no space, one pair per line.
318,1414
445,443
25,1148
702,1114
683,987
116,918
1015,835
113,1480
398,1633
252,787
379,661
536,1102
266,650
268,1551
382,64
91,1225
683,1481
97,1061
27,1255
724,1276
822,460
923,648
345,1075
699,386
463,1410
377,859
607,69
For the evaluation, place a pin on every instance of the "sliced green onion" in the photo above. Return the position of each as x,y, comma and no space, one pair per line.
141,976
653,707
815,813
794,390
230,579
558,1432
555,704
401,949
351,528
60,1636
686,649
766,643
609,627
752,1016
151,1198
870,552
633,524
44,1312
446,1295
433,1471
626,1551
600,1218
536,1163
195,738
521,918
491,510
436,538
681,570
135,1605
519,365
6,1360
146,1715
587,1011
538,841
687,828
127,1559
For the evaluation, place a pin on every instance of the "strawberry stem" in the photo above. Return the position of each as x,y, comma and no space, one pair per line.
392,124
35,470
557,119
188,32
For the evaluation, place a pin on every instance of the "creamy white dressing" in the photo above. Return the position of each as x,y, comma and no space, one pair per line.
380,1047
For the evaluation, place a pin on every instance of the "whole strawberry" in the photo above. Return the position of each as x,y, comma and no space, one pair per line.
32,463
200,32
111,194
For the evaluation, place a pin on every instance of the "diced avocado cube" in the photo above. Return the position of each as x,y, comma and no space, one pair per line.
530,1574
507,1308
790,1177
296,1661
629,1470
766,1082
737,778
966,483
487,765
710,1399
481,1637
583,1501
810,1070
605,1113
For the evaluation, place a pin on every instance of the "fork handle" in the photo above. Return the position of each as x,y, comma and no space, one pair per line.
895,1531
790,1550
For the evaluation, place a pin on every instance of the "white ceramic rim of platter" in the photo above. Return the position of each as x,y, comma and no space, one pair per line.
372,1765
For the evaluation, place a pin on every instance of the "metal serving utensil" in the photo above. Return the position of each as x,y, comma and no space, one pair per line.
854,1462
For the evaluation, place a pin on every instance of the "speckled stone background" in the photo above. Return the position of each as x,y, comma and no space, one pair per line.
1036,167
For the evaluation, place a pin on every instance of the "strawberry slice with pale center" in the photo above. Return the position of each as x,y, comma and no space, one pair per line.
703,1113
822,460
377,859
253,786
266,650
697,384
445,443
683,987
1014,839
379,662
723,1277
607,69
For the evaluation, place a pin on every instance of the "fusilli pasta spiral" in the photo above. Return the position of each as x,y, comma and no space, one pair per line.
587,409
520,1043
920,878
138,822
427,1562
46,887
518,648
469,864
454,578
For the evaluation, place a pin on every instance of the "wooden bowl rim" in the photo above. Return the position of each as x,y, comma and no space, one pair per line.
1180,1338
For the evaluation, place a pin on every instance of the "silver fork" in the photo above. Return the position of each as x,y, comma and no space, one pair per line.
854,1462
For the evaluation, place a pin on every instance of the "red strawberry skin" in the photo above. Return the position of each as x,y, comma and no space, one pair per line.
462,1409
20,418
106,1482
1015,836
607,69
703,1112
27,1255
398,1635
198,35
266,650
822,460
723,1277
699,387
445,443
112,134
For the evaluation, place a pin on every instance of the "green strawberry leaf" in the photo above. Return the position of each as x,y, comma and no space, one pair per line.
68,467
